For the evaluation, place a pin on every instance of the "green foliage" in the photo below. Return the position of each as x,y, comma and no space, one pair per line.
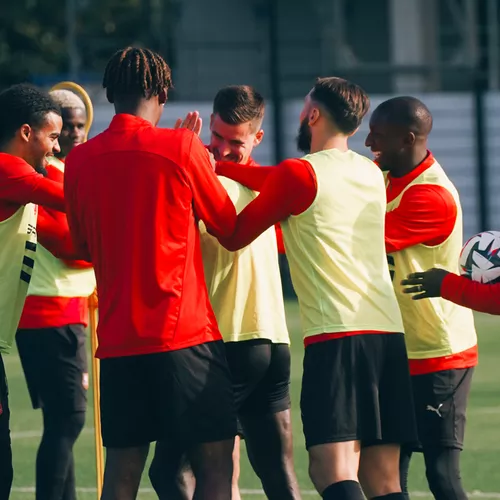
33,35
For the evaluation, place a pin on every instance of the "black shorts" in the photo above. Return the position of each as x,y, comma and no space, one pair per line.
6,472
182,396
4,410
440,406
357,388
260,373
54,361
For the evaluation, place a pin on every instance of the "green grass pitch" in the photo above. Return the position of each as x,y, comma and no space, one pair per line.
480,460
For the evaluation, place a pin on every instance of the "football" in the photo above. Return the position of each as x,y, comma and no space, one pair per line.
480,258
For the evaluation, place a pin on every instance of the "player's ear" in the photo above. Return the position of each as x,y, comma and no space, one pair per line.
25,132
212,118
162,96
314,115
258,137
410,139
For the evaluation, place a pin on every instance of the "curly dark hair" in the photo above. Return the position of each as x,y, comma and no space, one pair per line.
136,73
23,104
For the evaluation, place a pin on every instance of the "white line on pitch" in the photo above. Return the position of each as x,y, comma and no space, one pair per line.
472,494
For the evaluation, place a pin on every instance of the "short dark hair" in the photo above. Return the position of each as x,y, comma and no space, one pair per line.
345,102
238,104
21,104
136,73
407,112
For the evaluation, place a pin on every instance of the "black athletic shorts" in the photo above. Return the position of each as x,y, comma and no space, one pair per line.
54,361
260,373
4,410
357,388
183,396
440,406
6,472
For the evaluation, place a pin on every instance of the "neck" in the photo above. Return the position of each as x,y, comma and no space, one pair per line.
11,149
411,162
323,142
142,109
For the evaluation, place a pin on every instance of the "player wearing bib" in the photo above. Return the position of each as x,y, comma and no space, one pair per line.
134,195
245,292
30,124
481,297
356,403
51,334
424,230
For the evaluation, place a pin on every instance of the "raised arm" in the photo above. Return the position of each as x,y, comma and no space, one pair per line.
275,202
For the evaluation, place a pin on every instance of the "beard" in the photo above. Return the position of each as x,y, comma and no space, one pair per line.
40,168
304,137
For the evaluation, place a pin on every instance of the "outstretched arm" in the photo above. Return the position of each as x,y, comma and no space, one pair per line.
289,190
480,297
251,176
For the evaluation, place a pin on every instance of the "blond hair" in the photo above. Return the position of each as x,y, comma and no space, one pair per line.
67,99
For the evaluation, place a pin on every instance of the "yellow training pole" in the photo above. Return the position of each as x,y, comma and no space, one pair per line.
81,92
97,395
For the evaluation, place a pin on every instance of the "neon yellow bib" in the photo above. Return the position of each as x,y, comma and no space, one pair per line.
53,278
434,327
336,249
17,258
245,286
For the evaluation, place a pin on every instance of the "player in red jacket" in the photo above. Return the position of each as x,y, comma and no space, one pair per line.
134,196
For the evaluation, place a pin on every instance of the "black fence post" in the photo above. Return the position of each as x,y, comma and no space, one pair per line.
275,79
480,89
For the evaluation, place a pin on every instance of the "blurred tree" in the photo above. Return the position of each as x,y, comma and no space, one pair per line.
31,39
34,35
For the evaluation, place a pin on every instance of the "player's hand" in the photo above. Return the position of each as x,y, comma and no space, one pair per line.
425,285
192,122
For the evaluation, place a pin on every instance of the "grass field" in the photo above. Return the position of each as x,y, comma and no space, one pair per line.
480,462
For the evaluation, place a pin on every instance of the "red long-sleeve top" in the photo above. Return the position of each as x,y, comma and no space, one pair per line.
426,214
134,194
53,234
20,184
480,297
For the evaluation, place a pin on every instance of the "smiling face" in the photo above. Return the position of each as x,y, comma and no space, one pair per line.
233,143
73,131
388,143
41,143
